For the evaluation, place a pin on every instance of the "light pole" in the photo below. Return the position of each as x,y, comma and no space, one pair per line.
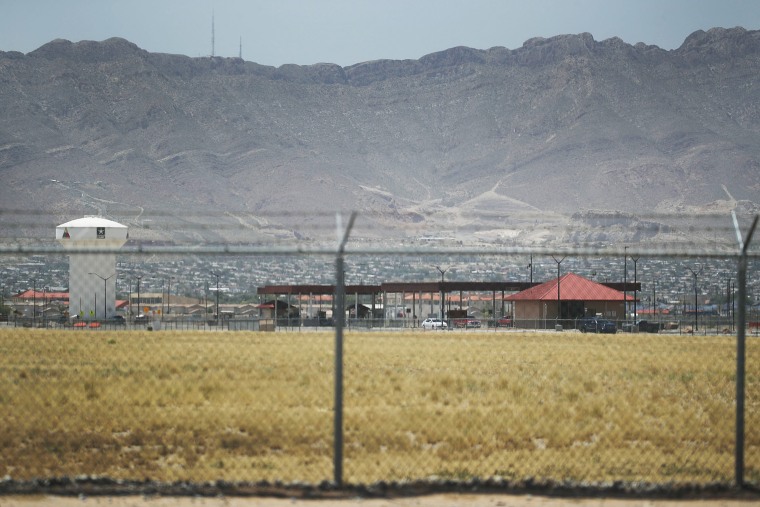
217,297
34,302
635,280
138,294
559,306
442,272
105,292
530,267
625,284
169,297
205,302
696,274
44,305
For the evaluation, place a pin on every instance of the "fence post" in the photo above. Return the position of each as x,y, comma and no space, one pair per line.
741,349
340,290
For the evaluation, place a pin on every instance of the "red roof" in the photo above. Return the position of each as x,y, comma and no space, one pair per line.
30,294
58,296
572,287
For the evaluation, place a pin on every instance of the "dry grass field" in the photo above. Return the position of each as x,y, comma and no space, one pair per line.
249,406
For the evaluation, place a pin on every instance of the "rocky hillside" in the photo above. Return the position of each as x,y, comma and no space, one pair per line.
527,145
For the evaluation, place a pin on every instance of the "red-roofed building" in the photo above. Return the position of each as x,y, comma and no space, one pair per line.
577,297
40,295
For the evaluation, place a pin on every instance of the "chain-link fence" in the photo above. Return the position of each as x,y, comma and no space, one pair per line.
133,381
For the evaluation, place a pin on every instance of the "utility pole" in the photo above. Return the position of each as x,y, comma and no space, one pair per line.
530,267
559,297
625,284
138,294
217,298
169,296
696,274
635,281
442,272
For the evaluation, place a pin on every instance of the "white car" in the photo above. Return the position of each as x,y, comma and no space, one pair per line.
433,324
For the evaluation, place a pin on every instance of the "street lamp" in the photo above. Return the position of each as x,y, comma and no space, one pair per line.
138,294
205,303
169,296
530,267
105,289
625,284
559,306
442,272
696,274
635,280
217,298
44,305
34,302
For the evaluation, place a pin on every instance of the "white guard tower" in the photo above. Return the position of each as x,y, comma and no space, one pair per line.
92,273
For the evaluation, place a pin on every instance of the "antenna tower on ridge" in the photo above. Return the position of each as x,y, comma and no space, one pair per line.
240,54
212,34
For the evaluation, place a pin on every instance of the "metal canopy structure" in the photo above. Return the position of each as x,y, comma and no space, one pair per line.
426,287
317,290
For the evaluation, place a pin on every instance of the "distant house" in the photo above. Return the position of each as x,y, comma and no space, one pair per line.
577,297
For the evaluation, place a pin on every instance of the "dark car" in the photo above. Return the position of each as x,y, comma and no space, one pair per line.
644,326
649,327
596,325
117,320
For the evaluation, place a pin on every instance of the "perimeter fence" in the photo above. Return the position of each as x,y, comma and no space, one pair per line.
172,398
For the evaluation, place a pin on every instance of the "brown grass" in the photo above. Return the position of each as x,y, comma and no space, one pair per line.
252,406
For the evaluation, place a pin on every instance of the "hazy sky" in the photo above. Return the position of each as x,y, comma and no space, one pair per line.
345,32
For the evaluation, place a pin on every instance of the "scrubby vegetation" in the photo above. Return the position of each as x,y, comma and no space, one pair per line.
253,406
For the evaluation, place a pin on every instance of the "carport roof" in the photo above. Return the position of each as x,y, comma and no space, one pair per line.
430,287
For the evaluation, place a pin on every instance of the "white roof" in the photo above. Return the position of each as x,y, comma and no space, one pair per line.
92,221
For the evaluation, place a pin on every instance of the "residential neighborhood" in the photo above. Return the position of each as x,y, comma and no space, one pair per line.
540,304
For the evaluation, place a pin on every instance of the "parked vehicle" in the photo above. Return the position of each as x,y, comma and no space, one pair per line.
117,320
466,323
504,322
596,325
644,326
432,323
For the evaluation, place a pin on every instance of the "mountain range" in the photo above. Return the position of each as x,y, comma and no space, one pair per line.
565,139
